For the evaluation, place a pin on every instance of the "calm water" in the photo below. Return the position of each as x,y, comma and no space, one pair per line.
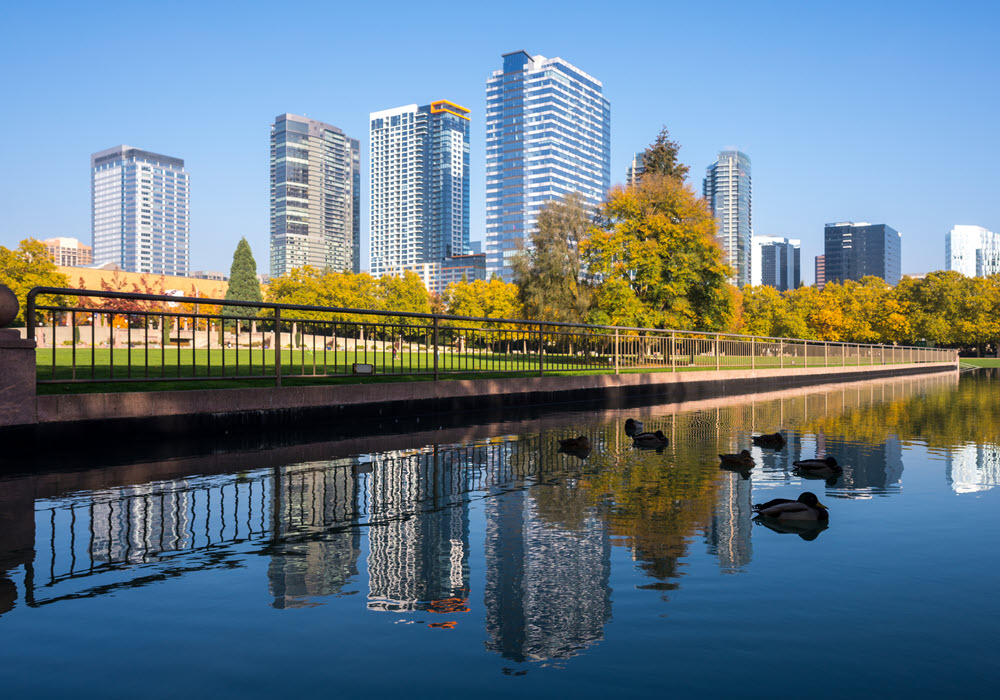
486,562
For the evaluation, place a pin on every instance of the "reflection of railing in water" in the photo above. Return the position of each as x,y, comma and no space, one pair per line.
153,524
107,531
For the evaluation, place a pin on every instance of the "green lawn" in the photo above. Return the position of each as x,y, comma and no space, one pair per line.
156,369
980,361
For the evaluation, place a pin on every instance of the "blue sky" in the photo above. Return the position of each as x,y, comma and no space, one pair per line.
866,111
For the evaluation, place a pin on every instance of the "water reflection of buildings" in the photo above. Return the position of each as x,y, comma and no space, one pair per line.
419,532
728,531
315,514
547,589
973,468
868,468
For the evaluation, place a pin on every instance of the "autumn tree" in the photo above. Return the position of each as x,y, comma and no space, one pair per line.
549,275
243,282
492,299
27,266
655,252
661,158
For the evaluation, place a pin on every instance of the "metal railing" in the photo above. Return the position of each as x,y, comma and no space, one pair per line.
124,337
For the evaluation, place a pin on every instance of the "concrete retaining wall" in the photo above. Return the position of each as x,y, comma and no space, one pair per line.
287,403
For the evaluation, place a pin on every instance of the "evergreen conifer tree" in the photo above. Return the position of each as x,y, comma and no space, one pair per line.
243,282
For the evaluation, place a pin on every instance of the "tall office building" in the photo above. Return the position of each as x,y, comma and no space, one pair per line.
140,216
775,262
973,251
853,251
548,133
315,196
820,272
727,187
419,185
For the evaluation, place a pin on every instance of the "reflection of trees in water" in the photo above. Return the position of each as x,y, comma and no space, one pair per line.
931,410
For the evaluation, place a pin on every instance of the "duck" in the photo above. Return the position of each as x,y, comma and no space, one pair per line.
805,507
773,440
633,427
743,459
577,444
819,467
657,439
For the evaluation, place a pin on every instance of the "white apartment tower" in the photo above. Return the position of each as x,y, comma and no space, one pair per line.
419,186
972,250
140,213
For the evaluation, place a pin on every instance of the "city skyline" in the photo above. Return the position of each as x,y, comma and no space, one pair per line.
781,85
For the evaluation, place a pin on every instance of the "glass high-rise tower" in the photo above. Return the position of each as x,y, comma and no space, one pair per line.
548,133
140,216
315,196
855,250
775,262
727,187
419,185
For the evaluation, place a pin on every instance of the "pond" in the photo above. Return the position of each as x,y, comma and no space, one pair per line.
485,562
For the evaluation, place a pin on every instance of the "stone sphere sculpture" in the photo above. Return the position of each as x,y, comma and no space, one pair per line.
8,306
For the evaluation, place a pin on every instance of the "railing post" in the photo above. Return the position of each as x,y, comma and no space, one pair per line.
29,318
826,354
716,352
781,354
541,360
616,351
859,354
277,347
753,352
436,328
673,352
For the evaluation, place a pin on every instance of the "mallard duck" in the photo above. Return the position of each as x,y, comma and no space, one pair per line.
773,440
805,507
633,427
743,459
577,444
819,467
657,439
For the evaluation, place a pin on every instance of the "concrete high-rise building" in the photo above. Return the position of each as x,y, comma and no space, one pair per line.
635,170
69,252
853,251
140,211
820,272
548,133
775,262
315,196
419,185
972,250
727,187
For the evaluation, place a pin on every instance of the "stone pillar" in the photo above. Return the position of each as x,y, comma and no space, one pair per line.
17,379
17,368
